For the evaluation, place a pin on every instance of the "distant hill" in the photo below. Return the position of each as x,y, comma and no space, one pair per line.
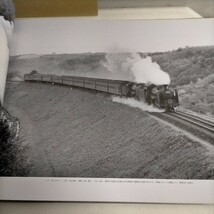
186,65
63,64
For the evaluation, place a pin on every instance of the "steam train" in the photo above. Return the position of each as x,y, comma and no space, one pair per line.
160,96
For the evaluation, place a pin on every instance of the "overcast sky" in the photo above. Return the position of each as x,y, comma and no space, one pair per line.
73,35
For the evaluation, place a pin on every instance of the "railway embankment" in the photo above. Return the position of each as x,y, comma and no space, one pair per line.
197,127
77,133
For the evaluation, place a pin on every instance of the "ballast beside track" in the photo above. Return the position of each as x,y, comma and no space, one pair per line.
198,127
196,120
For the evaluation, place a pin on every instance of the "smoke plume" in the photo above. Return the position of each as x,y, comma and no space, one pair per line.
146,71
132,67
119,65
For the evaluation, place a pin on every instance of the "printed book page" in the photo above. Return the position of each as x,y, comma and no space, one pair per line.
107,111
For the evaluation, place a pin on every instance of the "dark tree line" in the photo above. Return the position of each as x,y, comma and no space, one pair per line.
186,65
192,72
7,10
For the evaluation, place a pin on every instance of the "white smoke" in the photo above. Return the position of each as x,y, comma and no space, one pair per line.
119,65
146,71
136,104
6,29
132,67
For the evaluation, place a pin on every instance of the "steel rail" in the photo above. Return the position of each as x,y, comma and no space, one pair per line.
199,118
207,125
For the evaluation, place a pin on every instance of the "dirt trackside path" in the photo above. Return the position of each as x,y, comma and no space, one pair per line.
77,133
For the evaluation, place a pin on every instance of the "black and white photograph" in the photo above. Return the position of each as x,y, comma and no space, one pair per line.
109,99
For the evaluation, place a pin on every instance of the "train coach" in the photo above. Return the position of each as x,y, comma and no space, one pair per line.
160,96
117,87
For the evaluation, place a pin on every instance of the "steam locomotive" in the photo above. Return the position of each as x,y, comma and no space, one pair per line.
160,96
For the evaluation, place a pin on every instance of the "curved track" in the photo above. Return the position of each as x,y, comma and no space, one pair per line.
200,128
196,120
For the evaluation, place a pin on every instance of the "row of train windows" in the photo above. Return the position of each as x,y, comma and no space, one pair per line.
79,81
97,84
90,83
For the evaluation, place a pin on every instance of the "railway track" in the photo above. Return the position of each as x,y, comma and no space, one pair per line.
196,126
196,120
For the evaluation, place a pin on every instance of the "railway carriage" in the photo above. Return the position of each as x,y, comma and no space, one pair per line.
67,80
101,85
118,87
56,79
78,81
35,77
90,84
47,78
158,95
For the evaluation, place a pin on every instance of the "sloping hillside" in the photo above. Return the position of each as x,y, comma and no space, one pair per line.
79,133
199,97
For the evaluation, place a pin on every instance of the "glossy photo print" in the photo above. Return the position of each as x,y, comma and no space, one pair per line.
111,103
